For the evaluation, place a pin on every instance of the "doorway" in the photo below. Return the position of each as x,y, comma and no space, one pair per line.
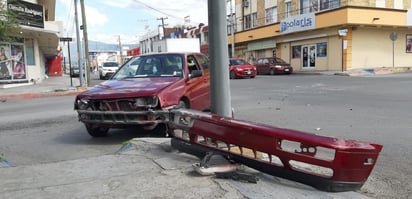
308,56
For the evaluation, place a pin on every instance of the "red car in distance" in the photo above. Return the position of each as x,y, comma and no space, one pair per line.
239,68
272,66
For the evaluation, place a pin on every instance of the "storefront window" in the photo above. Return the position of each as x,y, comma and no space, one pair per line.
12,61
321,49
29,51
18,64
5,65
261,53
296,52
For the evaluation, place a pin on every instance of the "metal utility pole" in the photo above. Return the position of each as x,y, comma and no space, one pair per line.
219,59
232,29
163,24
121,50
86,43
79,62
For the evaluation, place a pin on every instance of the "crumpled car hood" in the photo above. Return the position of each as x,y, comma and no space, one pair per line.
115,89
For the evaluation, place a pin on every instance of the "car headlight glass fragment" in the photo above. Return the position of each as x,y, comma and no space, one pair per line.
82,104
151,101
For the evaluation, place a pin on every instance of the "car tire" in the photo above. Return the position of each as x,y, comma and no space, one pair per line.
272,72
182,104
96,131
232,75
161,130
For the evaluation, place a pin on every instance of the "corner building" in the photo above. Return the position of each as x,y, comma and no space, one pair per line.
325,35
35,51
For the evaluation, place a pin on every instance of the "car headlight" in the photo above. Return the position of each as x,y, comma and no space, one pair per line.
278,66
82,104
239,69
151,101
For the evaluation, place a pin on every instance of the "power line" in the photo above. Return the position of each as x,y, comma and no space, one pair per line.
157,10
70,22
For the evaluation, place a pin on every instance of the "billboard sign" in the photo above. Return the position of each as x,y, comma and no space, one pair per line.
27,14
298,23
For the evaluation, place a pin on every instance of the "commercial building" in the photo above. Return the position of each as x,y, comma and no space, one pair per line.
325,35
35,51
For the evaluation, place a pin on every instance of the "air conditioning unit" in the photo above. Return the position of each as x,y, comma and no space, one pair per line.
245,3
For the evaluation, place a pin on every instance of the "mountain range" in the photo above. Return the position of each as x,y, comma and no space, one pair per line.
93,47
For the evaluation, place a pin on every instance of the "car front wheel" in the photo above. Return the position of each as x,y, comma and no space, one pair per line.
232,75
272,72
182,104
96,131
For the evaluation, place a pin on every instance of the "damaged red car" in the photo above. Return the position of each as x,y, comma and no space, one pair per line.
143,90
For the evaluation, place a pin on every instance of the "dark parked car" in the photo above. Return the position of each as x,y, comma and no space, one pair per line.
272,66
143,90
74,71
240,68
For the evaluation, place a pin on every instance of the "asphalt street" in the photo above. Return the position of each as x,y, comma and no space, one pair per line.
150,168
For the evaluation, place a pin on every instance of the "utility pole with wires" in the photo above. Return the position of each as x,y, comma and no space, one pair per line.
163,24
121,50
79,62
86,43
232,28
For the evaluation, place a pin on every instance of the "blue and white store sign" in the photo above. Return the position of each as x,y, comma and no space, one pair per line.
298,23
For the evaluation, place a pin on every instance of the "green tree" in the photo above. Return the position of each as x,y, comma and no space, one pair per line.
9,25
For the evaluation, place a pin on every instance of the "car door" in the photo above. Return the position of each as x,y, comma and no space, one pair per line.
259,67
263,66
198,87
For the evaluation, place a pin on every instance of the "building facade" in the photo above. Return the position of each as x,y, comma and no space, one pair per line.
36,50
325,35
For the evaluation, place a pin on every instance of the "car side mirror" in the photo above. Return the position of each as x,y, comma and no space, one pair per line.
195,73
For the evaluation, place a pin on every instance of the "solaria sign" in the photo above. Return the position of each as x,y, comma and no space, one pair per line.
298,23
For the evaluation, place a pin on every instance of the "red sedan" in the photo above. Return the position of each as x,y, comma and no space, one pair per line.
143,90
239,68
272,66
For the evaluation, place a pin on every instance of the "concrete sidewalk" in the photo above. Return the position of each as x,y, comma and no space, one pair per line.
51,86
145,168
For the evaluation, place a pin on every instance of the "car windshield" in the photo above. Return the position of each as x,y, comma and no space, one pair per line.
278,60
237,62
159,65
110,64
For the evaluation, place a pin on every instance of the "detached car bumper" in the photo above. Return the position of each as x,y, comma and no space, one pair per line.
121,112
123,118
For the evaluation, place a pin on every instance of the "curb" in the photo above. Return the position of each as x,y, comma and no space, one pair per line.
375,71
55,93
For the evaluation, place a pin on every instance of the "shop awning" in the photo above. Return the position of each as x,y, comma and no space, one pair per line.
261,45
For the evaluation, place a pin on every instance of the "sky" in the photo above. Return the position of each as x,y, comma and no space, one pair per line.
109,20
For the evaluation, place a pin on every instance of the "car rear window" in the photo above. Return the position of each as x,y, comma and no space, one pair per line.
110,64
237,62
